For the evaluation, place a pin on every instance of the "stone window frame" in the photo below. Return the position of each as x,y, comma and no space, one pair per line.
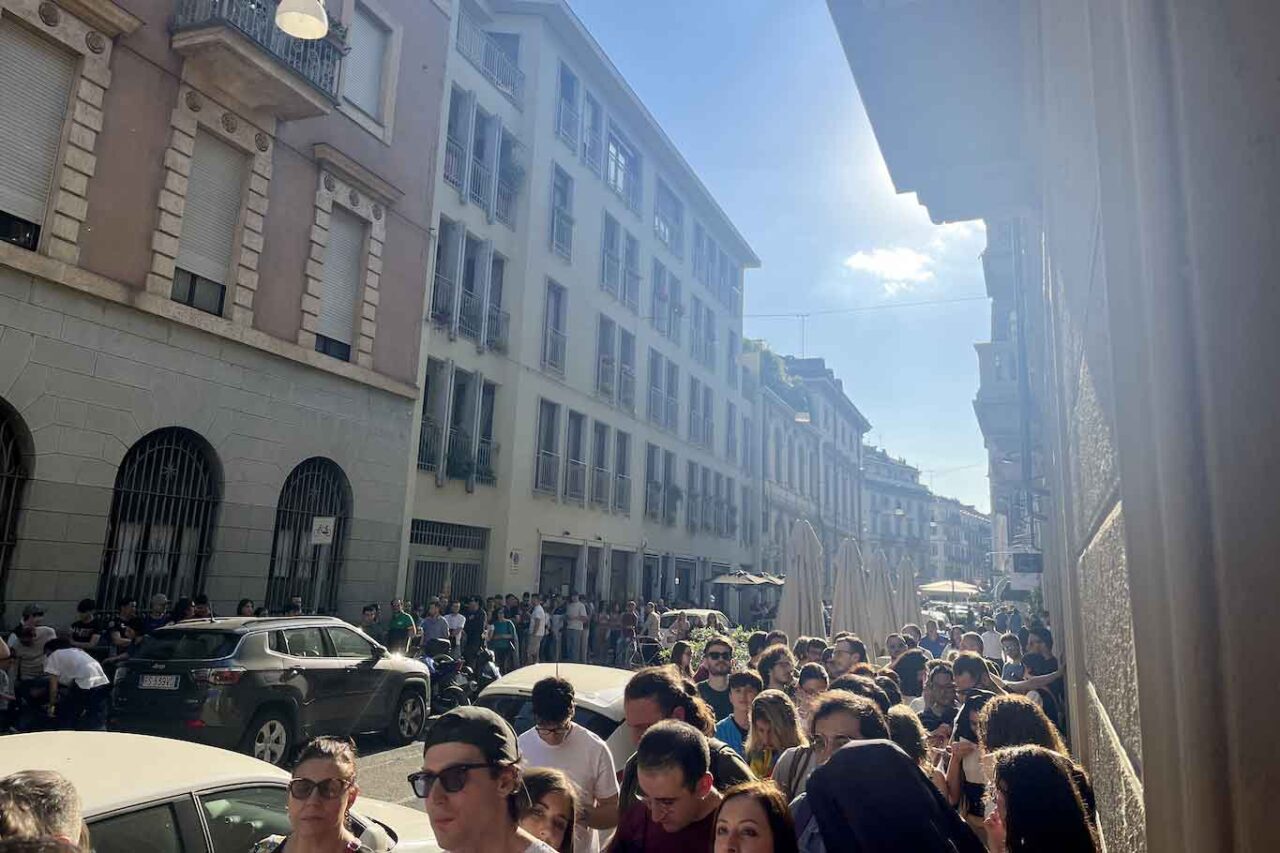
344,182
194,111
85,28
385,128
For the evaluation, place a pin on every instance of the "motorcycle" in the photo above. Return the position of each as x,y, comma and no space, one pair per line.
451,685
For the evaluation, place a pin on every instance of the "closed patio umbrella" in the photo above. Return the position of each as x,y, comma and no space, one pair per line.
880,602
908,609
800,611
849,611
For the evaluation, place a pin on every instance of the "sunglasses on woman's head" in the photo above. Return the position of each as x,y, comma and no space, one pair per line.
453,779
301,789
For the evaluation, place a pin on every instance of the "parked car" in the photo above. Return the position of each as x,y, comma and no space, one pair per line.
697,619
264,685
598,691
146,793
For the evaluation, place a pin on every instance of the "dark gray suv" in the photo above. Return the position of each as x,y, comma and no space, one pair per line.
263,685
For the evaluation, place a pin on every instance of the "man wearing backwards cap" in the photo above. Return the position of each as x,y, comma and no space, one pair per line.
470,782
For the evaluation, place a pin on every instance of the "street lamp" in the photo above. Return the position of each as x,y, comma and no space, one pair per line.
304,19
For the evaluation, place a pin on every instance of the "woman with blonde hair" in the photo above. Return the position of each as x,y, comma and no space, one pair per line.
775,727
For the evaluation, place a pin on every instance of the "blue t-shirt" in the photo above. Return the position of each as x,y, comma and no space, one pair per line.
935,647
727,730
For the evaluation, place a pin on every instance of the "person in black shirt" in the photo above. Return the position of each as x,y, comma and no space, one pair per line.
939,702
717,654
86,629
473,632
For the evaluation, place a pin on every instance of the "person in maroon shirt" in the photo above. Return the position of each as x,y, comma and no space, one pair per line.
674,769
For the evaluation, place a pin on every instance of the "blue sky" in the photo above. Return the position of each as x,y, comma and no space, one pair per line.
759,99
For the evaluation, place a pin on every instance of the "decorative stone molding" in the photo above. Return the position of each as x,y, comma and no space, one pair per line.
186,118
76,163
338,189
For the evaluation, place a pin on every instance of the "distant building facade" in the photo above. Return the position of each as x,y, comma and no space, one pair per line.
959,542
896,509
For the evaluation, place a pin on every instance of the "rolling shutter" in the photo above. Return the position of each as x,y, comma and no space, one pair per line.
214,190
35,88
343,263
363,67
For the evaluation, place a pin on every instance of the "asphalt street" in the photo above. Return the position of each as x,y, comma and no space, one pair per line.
381,771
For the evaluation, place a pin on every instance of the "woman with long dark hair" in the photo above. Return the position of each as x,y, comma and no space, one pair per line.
548,812
682,658
1037,808
753,818
321,794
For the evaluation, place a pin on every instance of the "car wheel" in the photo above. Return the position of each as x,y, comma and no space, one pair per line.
410,718
269,738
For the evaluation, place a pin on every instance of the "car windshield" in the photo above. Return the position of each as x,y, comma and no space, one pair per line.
187,645
519,710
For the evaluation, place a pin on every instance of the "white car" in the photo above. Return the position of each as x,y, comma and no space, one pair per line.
597,692
168,796
698,618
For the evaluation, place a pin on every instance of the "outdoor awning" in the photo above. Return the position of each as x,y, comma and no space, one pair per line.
960,588
746,579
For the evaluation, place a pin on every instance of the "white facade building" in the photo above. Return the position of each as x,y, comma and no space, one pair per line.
583,421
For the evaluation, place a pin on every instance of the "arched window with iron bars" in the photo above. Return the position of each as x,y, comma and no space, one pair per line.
163,508
15,453
309,541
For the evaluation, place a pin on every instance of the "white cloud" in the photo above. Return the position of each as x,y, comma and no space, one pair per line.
898,270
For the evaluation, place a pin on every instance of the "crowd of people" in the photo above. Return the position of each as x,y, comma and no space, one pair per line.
954,744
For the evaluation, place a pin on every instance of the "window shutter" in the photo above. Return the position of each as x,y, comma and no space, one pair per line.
363,67
35,88
215,186
343,262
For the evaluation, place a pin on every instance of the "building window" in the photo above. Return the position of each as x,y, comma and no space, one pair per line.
547,465
343,268
575,469
626,370
622,472
553,323
567,107
592,133
657,376
611,257
315,499
562,213
364,68
160,531
622,170
601,483
15,454
606,360
631,273
35,90
660,304
668,219
215,189
695,411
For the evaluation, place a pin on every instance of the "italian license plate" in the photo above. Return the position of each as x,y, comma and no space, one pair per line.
158,682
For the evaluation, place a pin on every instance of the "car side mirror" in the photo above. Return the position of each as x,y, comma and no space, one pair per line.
379,652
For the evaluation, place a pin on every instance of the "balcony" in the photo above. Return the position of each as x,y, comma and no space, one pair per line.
631,288
575,480
454,161
562,233
429,444
481,175
458,462
653,499
604,377
442,299
470,312
611,273
237,45
567,124
486,462
504,208
492,61
553,351
600,482
498,330
622,493
546,477
627,388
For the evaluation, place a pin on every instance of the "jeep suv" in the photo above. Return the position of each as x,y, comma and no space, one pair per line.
264,685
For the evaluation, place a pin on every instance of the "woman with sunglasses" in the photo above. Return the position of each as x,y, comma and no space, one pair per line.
471,784
321,794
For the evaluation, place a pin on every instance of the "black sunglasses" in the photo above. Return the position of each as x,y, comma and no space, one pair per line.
454,779
302,789
719,655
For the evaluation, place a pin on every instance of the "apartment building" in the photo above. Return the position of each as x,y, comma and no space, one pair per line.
584,425
213,256
896,507
959,542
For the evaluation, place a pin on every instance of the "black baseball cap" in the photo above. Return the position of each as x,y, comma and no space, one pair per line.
480,727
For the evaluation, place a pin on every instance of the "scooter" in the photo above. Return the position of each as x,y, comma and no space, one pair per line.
450,678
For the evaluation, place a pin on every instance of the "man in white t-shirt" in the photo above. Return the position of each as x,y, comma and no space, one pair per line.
556,741
456,622
575,625
991,649
537,629
79,690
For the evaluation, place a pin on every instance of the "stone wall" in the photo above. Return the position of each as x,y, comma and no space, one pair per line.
90,377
